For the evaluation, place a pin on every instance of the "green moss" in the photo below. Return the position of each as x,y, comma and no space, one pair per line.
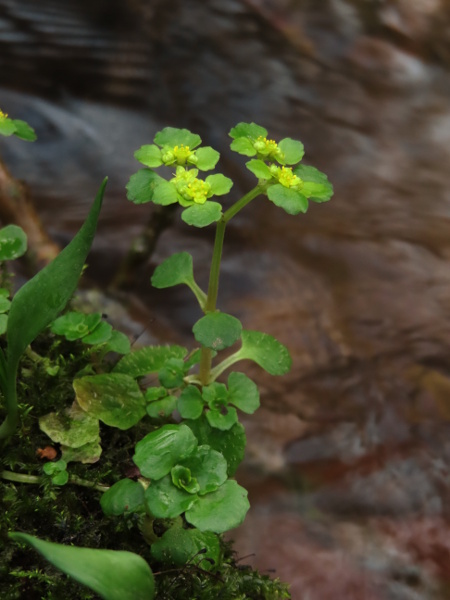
72,514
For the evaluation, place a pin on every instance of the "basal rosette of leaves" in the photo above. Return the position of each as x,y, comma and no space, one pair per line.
288,186
179,148
184,478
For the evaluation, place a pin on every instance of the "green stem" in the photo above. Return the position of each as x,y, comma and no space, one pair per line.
198,292
213,287
23,478
225,364
240,204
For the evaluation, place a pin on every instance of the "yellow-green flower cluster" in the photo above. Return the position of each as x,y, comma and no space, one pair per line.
286,177
190,188
180,155
267,149
177,147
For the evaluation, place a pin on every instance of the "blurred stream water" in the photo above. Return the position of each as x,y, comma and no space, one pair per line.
348,460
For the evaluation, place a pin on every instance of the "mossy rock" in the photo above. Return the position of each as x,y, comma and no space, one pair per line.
72,514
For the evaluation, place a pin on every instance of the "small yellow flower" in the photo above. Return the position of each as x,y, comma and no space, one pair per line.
191,189
197,191
267,148
182,153
288,179
3,115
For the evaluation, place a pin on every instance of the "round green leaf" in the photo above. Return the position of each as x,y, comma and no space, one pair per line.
266,351
208,467
248,130
207,158
243,146
165,501
190,404
170,136
51,468
155,393
221,510
317,192
60,478
114,398
164,448
293,151
231,443
141,186
114,575
172,373
72,427
122,497
292,201
217,330
13,242
165,193
180,546
149,155
148,360
202,215
87,454
243,392
159,409
307,173
220,184
24,131
5,303
74,325
118,342
222,418
259,169
175,270
99,334
57,471
7,126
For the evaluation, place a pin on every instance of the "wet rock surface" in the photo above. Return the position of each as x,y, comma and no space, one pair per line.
348,461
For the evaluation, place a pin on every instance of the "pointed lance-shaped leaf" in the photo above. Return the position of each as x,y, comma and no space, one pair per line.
112,574
41,299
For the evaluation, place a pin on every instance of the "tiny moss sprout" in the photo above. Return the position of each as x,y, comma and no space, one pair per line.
170,414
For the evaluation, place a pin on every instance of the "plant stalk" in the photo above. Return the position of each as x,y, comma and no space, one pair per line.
214,274
23,478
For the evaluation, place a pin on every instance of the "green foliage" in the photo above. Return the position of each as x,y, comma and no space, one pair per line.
13,242
113,398
220,511
16,127
177,424
41,299
180,546
114,575
92,331
57,472
162,449
217,330
148,360
71,427
5,304
124,496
